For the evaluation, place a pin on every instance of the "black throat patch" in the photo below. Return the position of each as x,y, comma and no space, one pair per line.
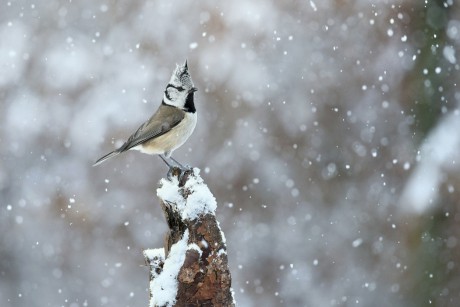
189,103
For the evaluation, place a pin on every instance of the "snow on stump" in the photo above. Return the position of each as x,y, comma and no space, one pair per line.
192,268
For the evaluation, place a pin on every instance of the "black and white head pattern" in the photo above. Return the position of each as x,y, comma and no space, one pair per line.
180,86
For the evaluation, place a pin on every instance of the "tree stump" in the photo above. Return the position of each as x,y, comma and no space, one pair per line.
192,269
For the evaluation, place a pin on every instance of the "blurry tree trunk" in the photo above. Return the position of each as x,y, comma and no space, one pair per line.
204,278
429,92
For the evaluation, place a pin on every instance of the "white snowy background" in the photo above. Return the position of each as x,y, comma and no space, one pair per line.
328,132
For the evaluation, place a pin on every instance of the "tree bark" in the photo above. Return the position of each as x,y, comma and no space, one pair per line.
204,277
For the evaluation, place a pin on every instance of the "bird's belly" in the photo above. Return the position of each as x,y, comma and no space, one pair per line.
172,139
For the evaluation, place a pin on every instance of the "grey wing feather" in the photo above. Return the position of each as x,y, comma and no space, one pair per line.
107,156
162,121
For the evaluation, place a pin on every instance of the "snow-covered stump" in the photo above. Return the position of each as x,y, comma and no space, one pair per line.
192,268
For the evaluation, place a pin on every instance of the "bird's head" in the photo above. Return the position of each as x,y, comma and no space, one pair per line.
179,88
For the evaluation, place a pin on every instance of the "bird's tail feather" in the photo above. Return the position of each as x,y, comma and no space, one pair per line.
107,156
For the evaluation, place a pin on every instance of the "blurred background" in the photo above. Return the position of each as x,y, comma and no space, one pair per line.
328,132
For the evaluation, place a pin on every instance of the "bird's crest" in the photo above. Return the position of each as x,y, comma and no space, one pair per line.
181,77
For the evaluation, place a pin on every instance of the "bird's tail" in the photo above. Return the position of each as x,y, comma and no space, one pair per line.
107,156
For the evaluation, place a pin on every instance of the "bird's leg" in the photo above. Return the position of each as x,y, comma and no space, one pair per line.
164,160
178,164
169,174
167,159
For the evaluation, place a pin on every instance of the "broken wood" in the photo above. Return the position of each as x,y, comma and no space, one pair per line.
192,268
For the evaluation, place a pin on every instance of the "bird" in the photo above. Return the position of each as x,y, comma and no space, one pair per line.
170,126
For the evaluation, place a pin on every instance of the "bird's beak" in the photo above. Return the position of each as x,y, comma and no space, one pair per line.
193,90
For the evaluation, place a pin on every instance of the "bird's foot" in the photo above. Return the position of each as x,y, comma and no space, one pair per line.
182,167
173,171
181,173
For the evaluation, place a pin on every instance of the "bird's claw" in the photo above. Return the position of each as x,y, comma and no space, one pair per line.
175,171
181,173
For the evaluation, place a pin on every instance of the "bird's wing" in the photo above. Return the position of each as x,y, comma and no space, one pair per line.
107,156
164,119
